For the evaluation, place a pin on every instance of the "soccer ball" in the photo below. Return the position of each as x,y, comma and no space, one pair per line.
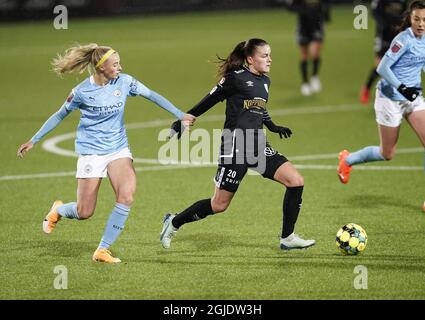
351,239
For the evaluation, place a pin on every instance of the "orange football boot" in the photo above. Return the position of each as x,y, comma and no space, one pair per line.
343,168
104,255
52,217
364,95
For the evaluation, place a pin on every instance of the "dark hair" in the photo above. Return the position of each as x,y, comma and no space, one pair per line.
418,4
237,57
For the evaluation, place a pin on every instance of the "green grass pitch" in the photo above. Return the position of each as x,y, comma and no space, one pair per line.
236,254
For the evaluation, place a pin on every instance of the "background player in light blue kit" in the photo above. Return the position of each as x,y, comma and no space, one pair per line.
101,141
399,93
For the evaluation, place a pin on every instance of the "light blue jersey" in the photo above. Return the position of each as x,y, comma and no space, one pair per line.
101,129
402,64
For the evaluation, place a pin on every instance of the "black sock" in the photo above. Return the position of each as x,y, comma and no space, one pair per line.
316,66
291,208
197,211
372,77
304,75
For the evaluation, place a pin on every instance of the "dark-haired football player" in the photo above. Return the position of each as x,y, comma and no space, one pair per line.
245,87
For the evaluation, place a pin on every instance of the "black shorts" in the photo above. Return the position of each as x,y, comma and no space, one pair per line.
307,33
230,173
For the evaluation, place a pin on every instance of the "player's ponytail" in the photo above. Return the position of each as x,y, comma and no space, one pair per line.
406,23
79,58
237,58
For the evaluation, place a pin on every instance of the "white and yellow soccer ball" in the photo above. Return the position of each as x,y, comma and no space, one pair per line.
351,239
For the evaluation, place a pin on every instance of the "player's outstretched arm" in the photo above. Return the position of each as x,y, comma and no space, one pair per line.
221,91
136,88
200,108
48,126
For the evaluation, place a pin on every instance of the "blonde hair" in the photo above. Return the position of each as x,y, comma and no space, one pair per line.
79,58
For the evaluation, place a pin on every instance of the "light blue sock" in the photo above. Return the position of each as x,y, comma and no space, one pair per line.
69,210
114,225
367,154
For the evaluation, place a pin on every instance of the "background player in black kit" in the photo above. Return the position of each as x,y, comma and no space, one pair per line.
310,34
244,86
388,15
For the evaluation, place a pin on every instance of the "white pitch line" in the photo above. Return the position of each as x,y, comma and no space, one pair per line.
38,175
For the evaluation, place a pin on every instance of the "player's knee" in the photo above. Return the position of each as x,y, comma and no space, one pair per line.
126,198
296,181
84,212
316,55
219,206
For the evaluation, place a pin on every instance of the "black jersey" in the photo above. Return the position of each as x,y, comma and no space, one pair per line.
388,15
246,97
243,143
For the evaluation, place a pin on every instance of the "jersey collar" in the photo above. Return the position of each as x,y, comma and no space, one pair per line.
91,78
255,75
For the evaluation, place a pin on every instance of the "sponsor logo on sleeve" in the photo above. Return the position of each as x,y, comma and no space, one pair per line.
396,47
